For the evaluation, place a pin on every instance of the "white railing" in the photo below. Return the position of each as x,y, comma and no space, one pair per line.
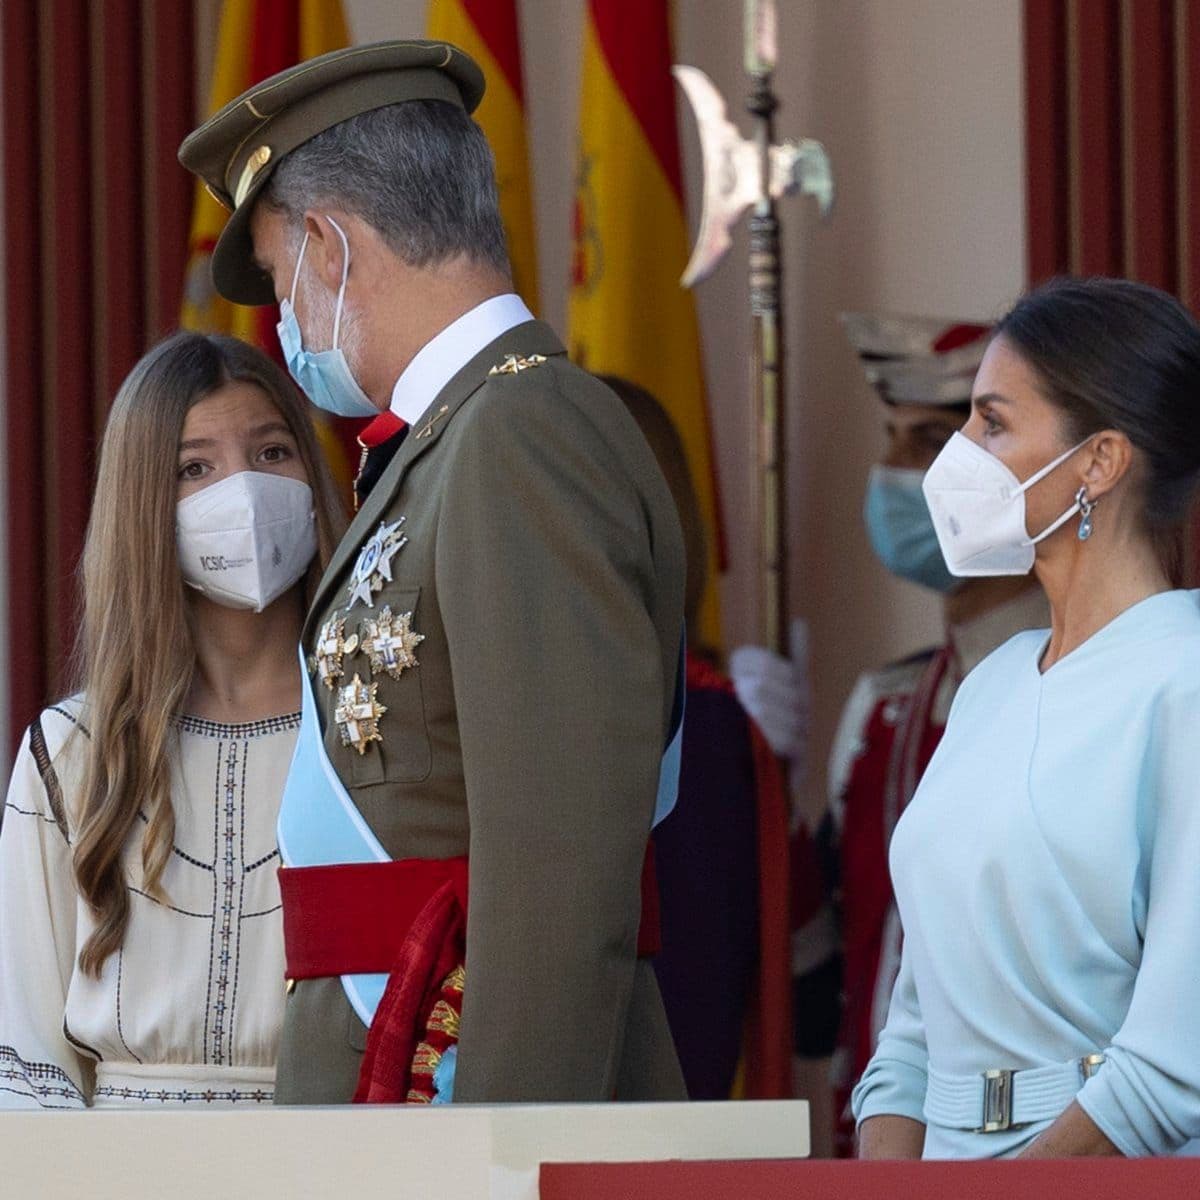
458,1152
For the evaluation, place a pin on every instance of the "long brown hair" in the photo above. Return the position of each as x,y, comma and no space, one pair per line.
136,654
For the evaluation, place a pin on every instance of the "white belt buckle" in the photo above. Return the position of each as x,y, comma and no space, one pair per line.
997,1101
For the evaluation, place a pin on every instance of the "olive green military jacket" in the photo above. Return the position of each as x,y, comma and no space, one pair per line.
544,574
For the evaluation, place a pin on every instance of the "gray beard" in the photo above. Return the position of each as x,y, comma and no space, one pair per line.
322,306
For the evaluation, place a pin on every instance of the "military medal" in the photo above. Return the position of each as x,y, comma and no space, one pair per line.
390,642
357,714
514,364
374,566
332,645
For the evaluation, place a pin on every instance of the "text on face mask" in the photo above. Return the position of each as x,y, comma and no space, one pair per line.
218,562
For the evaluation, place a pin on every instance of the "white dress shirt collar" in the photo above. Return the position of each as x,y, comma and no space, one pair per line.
444,355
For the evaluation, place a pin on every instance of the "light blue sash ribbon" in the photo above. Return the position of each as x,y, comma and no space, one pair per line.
320,825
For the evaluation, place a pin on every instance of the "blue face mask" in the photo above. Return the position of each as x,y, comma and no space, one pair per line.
324,375
901,530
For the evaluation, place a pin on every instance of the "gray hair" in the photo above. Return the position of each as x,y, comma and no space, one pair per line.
420,173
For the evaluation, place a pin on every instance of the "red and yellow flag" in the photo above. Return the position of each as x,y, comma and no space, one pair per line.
489,32
255,39
627,313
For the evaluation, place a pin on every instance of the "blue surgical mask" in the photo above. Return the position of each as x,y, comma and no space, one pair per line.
324,375
901,530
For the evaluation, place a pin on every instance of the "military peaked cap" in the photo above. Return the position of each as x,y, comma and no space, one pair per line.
236,150
918,360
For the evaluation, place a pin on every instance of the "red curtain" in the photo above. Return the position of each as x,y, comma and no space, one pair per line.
97,96
1112,124
1112,88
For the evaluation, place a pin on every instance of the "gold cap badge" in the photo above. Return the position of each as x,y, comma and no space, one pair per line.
254,164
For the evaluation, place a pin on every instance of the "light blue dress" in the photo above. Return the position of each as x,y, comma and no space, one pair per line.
1048,879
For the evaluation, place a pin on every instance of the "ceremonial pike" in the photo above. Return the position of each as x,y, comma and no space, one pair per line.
742,173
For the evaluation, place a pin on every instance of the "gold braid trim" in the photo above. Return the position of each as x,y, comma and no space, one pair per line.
442,1028
444,1019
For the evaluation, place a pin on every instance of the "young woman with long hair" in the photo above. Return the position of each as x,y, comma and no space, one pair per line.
141,957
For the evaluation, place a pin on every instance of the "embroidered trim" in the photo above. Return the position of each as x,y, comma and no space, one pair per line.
62,712
187,1095
241,892
54,797
41,1104
262,862
120,1030
30,812
183,912
239,732
145,820
228,879
41,1078
81,1046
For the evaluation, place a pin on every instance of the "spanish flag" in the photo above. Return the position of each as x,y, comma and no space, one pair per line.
255,39
627,313
489,32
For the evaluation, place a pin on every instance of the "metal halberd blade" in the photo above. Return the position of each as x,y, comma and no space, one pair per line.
731,173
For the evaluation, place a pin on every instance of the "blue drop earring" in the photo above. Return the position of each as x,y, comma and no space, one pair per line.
1085,510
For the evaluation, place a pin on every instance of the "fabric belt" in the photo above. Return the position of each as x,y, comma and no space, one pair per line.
993,1101
353,918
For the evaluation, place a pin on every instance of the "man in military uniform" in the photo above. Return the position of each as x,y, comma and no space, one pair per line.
923,370
493,653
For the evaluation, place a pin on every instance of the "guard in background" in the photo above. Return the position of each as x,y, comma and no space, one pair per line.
923,370
493,658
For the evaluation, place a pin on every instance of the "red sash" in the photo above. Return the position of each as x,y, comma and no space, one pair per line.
406,919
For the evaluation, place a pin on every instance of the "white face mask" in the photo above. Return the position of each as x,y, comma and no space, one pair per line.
978,510
244,541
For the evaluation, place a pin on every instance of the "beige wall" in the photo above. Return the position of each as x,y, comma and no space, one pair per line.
919,104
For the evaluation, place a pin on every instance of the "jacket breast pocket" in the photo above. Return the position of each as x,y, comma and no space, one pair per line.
387,650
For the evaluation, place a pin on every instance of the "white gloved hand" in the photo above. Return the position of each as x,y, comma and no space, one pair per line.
776,693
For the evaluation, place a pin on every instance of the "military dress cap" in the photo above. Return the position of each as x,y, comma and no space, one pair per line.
236,150
918,360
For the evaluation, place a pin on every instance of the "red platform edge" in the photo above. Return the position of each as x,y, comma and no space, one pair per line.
1097,1179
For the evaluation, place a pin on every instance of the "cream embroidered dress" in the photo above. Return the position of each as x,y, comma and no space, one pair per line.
189,1011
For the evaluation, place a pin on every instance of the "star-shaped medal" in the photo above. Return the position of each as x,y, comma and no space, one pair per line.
390,642
374,566
332,644
357,714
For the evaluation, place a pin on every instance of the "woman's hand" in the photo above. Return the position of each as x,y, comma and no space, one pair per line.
890,1137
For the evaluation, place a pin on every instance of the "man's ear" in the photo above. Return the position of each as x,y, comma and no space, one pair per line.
1110,459
326,249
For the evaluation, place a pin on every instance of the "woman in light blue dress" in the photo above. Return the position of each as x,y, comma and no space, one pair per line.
1048,868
